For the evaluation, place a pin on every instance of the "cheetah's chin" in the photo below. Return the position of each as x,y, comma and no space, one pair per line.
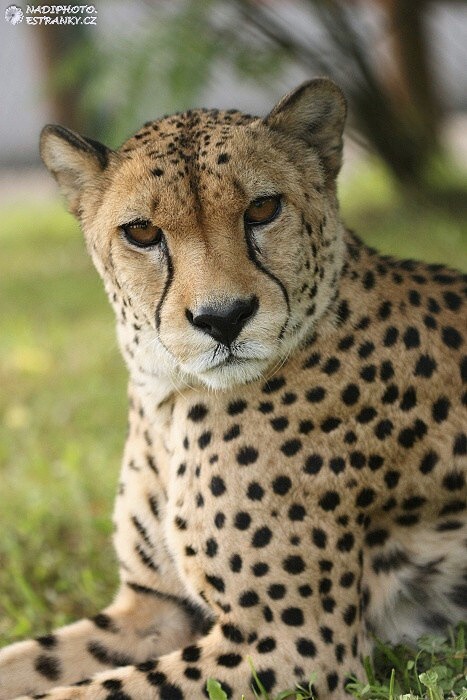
232,372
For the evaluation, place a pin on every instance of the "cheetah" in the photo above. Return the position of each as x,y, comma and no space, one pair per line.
293,480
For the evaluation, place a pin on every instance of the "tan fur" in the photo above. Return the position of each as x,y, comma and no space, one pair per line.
283,497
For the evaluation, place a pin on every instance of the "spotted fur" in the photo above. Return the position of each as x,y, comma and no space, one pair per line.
287,494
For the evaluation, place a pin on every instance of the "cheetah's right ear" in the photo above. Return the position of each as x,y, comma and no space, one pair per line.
74,161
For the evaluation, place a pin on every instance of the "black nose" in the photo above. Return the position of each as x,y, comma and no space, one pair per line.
225,321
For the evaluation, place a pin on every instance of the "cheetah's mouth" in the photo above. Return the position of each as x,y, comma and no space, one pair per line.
223,366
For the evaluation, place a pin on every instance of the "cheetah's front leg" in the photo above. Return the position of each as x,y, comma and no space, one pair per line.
136,627
285,644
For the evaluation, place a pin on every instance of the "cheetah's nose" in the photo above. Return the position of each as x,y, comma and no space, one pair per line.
224,321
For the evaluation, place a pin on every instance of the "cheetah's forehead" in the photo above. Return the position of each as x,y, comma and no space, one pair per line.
187,133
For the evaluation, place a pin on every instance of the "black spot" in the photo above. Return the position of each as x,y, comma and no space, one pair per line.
170,691
242,521
392,479
346,343
191,654
260,569
451,337
347,579
158,172
291,447
247,455
332,680
328,604
292,616
204,439
281,485
413,502
235,563
384,310
216,582
312,360
350,614
409,399
267,678
261,537
266,407
452,300
368,373
366,415
366,349
463,369
316,394
255,491
313,464
460,444
197,412
229,660
411,338
319,537
192,673
280,423
357,459
327,634
248,599
305,426
337,465
305,591
407,520
231,434
273,385
180,523
346,542
211,547
48,641
107,657
236,407
276,591
48,666
296,512
330,424
306,647
351,394
266,645
458,595
365,498
425,366
369,280
383,429
331,366
223,158
217,486
386,371
289,398
232,633
293,565
219,520
454,481
375,538
440,409
329,501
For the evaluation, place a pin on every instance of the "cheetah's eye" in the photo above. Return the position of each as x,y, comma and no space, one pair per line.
142,234
263,210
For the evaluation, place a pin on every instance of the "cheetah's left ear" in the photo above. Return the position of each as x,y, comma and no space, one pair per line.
314,112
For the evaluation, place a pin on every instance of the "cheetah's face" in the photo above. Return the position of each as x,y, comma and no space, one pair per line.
210,230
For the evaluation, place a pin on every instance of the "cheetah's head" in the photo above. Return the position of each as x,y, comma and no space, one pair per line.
216,233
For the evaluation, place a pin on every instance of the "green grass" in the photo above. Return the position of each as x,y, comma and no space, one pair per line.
62,403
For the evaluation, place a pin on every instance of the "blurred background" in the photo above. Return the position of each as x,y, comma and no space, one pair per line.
403,67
